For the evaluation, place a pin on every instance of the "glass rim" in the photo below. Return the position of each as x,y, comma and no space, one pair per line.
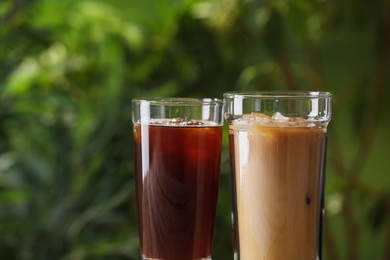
178,101
279,94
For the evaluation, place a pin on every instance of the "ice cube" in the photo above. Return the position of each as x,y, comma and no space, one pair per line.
253,118
277,120
278,117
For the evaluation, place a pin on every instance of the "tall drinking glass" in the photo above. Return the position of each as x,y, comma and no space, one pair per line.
177,149
278,149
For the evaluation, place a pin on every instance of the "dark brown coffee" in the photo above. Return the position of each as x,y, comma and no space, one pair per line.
177,182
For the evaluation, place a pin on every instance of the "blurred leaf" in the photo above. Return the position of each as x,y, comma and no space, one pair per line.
274,34
378,214
13,197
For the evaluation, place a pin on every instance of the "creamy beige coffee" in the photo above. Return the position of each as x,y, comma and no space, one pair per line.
278,175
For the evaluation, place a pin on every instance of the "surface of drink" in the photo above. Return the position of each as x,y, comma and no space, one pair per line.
278,174
177,175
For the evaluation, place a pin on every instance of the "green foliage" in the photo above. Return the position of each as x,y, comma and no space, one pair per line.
68,72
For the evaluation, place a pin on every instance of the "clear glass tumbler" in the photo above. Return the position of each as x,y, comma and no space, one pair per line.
278,152
177,149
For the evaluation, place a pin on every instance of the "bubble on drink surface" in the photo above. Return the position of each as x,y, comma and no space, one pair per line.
175,121
180,121
185,122
194,122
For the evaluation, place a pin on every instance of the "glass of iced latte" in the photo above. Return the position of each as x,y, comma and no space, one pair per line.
278,152
177,149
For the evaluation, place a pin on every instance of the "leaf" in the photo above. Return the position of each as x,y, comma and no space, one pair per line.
274,34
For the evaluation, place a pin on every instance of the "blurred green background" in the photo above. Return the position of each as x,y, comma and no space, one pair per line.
68,72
